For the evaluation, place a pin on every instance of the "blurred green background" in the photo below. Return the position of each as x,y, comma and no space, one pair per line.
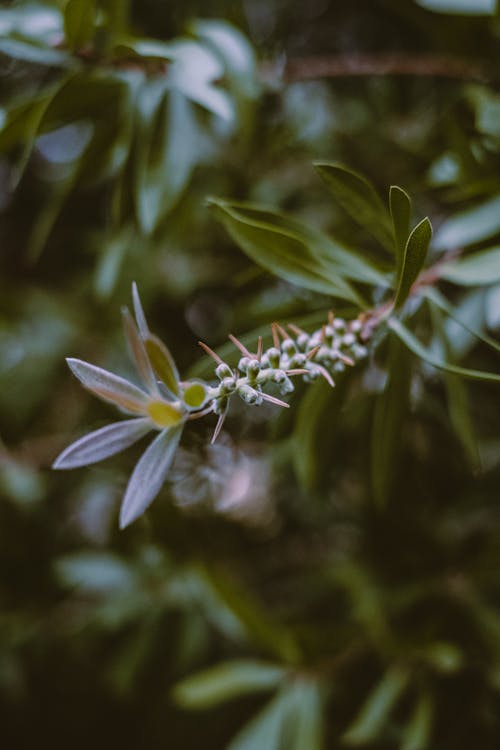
340,622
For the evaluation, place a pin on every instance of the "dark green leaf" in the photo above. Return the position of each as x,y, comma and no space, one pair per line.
427,355
282,247
413,259
400,207
389,417
359,199
79,18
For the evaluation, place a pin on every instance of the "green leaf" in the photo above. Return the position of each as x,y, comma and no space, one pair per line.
414,257
400,208
166,150
283,247
79,18
482,268
266,730
375,712
317,423
427,355
470,226
227,681
389,416
416,735
457,398
305,730
162,362
359,199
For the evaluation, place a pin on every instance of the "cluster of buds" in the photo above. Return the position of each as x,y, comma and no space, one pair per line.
323,353
163,403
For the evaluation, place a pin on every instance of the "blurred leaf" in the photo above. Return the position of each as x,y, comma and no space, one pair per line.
79,17
318,420
417,733
428,356
465,7
285,248
305,729
445,657
34,54
375,712
267,728
359,199
226,681
414,257
472,270
470,226
400,207
436,298
95,572
389,418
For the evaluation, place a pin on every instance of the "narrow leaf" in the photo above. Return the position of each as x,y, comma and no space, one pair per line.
413,259
470,226
305,730
280,249
102,443
389,416
400,208
79,16
162,362
377,708
359,199
227,681
435,296
421,351
267,728
139,312
138,353
149,475
109,387
416,735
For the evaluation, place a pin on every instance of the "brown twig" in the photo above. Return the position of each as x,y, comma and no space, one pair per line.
342,66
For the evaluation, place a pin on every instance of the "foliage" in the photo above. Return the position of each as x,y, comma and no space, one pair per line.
311,577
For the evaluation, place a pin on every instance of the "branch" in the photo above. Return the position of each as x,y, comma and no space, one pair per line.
342,66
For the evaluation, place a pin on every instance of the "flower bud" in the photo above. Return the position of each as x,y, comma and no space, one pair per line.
253,369
243,364
273,356
223,371
228,385
249,395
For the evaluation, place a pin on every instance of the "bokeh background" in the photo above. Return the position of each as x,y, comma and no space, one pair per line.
118,120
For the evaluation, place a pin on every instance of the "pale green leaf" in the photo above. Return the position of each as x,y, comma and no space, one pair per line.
470,226
417,733
267,728
227,681
482,268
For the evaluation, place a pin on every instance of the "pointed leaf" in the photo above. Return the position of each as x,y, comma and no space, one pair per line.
436,298
282,250
413,259
267,728
162,362
138,353
389,417
139,312
400,208
375,712
109,387
227,681
416,735
359,199
470,226
149,475
79,17
427,355
306,725
102,443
